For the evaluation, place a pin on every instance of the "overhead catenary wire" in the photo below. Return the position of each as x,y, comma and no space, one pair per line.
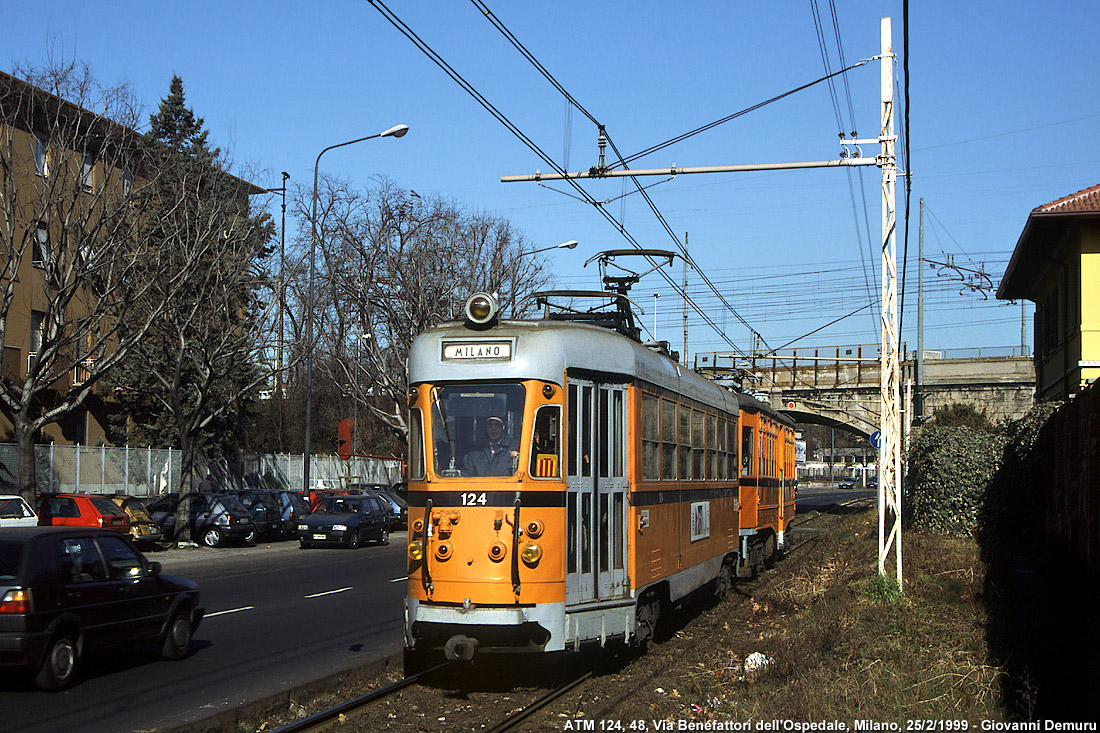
421,45
492,18
487,13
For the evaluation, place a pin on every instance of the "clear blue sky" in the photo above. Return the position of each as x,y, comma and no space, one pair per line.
1004,117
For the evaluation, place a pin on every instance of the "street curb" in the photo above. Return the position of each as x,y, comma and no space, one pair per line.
237,719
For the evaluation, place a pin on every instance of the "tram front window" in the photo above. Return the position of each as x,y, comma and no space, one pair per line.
476,428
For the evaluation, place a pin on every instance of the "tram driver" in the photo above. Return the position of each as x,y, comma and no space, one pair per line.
499,455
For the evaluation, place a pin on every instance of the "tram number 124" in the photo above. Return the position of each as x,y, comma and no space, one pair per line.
472,499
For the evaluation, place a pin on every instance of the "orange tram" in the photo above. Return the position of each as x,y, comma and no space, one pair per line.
567,484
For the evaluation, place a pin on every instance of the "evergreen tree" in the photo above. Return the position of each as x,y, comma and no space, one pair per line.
200,365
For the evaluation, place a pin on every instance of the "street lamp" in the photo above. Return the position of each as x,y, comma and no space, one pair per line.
571,244
395,131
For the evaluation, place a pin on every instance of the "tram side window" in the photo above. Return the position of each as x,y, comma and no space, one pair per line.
617,424
732,443
586,430
571,447
685,442
698,441
746,450
603,438
721,454
571,534
650,444
712,447
668,439
546,443
416,445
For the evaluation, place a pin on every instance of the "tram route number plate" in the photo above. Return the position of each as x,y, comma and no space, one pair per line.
477,350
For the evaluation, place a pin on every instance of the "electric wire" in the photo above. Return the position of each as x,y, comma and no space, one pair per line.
496,22
427,50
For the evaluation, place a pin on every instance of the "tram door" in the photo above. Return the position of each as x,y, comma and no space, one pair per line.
596,498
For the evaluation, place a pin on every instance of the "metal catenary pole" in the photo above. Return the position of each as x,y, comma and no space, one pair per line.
889,487
889,492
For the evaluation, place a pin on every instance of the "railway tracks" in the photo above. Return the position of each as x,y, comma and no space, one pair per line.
446,699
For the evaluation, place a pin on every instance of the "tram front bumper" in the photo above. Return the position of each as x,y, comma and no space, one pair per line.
460,631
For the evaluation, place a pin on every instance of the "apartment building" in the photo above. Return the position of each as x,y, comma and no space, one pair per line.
69,173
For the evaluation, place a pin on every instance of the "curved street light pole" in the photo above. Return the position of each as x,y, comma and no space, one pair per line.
396,131
571,244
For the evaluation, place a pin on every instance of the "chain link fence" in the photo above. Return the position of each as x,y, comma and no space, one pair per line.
146,472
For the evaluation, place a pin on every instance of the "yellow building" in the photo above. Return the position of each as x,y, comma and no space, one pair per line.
1056,265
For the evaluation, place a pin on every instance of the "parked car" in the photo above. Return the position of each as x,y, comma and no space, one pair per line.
846,483
215,518
346,521
16,512
400,517
143,530
398,509
317,496
265,511
81,510
69,591
292,507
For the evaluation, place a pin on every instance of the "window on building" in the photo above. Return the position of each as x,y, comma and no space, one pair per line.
41,159
41,246
87,169
38,324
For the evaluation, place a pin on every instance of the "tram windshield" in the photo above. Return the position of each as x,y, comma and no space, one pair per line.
476,429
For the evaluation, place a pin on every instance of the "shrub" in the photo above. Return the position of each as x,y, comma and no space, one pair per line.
950,470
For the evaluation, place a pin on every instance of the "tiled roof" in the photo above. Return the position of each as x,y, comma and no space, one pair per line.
1086,201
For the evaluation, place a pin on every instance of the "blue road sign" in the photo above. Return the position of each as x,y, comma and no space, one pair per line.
876,440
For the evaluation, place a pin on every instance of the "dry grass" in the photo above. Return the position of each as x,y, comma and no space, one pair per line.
839,646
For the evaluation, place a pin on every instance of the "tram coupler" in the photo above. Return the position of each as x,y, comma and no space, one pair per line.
460,647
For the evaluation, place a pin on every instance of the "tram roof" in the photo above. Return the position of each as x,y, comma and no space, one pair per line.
544,350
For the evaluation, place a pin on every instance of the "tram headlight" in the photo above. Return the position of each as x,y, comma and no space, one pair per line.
534,528
531,554
497,551
481,308
443,550
418,526
416,551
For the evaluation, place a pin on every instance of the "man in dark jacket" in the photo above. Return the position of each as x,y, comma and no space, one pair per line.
498,457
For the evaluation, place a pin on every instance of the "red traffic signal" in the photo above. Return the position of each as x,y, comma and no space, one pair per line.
344,433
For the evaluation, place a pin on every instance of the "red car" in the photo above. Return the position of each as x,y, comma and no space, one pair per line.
81,510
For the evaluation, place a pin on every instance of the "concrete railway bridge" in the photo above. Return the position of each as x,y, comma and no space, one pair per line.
839,385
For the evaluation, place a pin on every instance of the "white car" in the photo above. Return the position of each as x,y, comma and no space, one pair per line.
16,512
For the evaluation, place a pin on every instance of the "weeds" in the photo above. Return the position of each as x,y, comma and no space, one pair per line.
842,643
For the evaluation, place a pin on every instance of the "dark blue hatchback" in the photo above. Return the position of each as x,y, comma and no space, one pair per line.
345,521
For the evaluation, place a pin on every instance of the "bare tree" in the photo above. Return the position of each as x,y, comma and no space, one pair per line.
70,211
393,263
199,364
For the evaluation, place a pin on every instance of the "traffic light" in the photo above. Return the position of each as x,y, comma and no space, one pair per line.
344,433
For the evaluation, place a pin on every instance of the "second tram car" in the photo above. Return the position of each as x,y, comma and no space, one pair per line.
568,483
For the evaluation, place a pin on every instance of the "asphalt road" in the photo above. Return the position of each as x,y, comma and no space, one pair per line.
276,616
820,498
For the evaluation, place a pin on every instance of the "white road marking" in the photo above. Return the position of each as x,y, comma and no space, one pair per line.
329,592
400,580
231,610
